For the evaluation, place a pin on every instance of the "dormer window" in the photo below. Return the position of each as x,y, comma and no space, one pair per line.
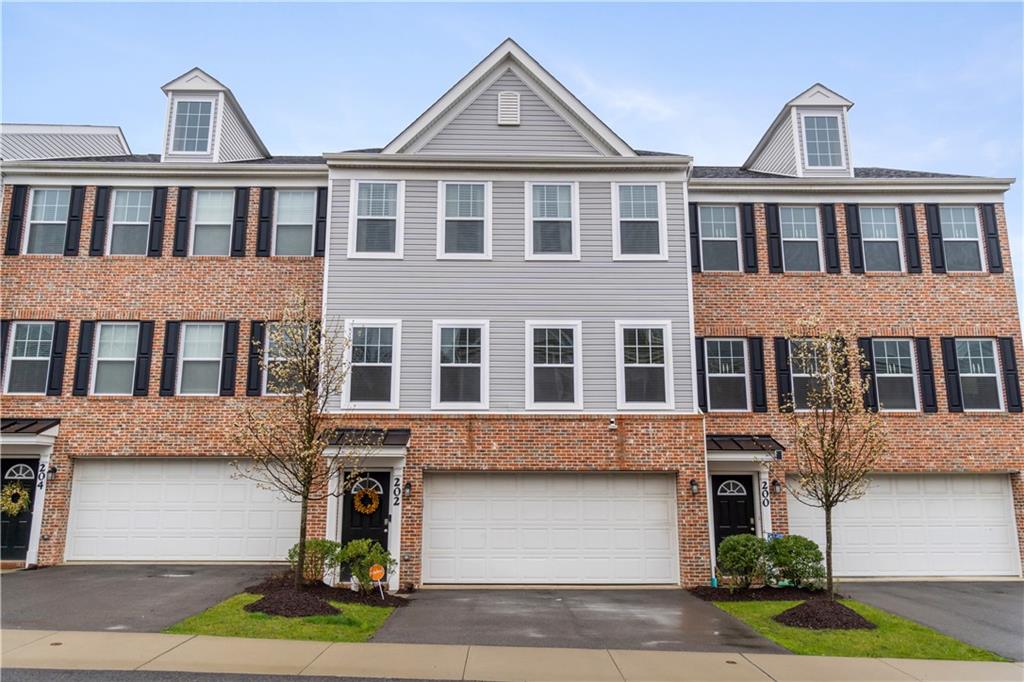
821,138
192,126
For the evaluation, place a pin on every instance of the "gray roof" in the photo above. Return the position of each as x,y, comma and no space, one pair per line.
33,142
870,172
155,158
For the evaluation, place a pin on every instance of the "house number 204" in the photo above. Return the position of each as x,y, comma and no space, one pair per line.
766,497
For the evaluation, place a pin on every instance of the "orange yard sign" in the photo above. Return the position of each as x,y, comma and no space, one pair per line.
376,572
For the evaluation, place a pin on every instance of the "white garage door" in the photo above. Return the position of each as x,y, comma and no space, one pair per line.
174,509
549,528
929,525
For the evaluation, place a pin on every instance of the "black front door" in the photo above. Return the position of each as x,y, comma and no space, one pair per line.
358,520
734,506
16,530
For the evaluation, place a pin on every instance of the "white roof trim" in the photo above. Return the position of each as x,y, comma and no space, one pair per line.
815,96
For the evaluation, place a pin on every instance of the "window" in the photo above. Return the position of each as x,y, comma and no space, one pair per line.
979,374
373,373
551,229
192,127
280,337
376,221
719,238
726,361
821,133
294,217
640,229
880,237
460,367
895,380
129,222
554,376
117,344
801,251
47,223
807,383
211,233
644,364
961,238
463,224
29,364
202,347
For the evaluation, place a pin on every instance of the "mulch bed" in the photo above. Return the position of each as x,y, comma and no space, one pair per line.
281,599
288,602
756,593
823,614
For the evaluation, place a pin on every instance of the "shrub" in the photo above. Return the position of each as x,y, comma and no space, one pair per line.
742,558
357,556
321,557
796,559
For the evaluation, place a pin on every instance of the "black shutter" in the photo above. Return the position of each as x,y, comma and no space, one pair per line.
988,219
695,265
156,222
15,219
926,375
182,220
828,223
911,248
702,373
749,238
320,234
257,341
931,214
856,249
5,329
54,383
83,361
867,373
169,367
783,377
771,216
1011,381
952,372
100,211
266,221
758,393
76,207
229,365
240,221
143,359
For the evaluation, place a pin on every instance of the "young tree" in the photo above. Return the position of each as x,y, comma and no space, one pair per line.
837,440
284,438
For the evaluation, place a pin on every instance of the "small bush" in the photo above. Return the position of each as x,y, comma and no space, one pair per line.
321,557
796,559
357,556
743,558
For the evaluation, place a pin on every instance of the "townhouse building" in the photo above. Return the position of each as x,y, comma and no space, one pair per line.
576,351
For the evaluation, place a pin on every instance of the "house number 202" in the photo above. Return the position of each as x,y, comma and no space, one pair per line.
766,497
396,490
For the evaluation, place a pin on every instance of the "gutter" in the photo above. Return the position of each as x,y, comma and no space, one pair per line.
162,169
851,184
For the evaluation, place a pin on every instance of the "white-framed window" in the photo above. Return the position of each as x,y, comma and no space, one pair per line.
823,147
117,345
460,366
880,239
199,359
719,228
554,364
192,125
294,222
644,364
805,371
376,218
980,387
28,358
464,220
895,374
728,388
374,371
278,338
962,244
639,225
801,238
47,221
213,211
552,221
131,211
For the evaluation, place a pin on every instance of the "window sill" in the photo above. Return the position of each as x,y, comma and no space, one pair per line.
880,273
800,273
726,273
375,256
642,258
566,257
970,273
297,258
467,256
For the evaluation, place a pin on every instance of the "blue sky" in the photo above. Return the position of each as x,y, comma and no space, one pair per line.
936,86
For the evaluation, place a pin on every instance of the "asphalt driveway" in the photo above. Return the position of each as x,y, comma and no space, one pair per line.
987,614
129,597
666,619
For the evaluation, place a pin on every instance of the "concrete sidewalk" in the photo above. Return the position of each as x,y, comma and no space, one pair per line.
144,651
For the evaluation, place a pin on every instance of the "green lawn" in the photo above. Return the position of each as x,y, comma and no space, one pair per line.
894,637
355,623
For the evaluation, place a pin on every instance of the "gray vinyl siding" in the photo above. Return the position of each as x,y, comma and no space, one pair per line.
509,290
169,136
541,130
779,156
235,142
34,146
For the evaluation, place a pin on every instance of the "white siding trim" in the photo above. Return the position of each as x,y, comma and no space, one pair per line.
435,365
577,376
620,365
662,224
441,217
396,351
528,205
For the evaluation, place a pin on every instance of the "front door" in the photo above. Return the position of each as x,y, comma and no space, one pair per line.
18,484
734,506
367,509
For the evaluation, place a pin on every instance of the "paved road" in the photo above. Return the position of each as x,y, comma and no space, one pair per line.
987,614
27,675
130,597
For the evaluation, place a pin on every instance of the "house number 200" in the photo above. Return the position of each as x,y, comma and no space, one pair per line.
766,497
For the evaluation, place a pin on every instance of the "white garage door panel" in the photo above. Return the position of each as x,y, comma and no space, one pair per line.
175,509
549,528
927,525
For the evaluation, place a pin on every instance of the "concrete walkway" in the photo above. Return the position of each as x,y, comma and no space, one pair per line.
197,654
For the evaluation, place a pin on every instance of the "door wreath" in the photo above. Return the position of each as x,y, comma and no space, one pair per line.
14,499
366,500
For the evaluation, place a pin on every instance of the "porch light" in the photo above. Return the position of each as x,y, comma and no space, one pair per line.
407,490
694,488
51,472
776,486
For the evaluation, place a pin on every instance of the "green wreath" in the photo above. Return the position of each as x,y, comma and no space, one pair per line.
14,499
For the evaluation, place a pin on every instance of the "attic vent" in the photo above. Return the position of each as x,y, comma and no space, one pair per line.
508,108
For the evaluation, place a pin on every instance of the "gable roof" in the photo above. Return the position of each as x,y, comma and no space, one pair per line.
815,96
